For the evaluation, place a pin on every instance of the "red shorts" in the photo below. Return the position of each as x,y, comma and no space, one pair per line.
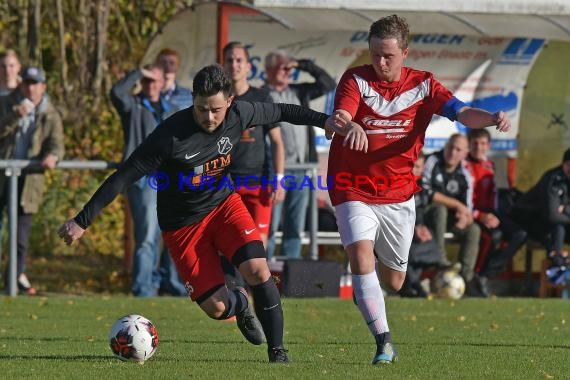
258,201
195,249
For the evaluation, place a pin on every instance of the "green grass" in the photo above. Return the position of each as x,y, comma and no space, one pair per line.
65,337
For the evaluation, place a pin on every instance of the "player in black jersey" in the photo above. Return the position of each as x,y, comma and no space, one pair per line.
198,211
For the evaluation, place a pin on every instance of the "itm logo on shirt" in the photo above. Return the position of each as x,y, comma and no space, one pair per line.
224,145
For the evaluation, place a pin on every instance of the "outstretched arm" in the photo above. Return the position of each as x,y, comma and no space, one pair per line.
478,118
74,228
146,158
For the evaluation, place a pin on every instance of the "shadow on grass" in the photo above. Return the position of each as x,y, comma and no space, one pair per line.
57,357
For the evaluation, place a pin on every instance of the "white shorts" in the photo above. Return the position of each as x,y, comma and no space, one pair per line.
389,226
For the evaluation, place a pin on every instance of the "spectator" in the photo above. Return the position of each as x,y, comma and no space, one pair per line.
450,187
180,97
9,72
494,226
544,211
299,145
140,114
30,128
424,251
9,80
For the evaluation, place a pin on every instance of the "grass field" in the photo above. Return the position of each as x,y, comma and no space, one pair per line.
64,337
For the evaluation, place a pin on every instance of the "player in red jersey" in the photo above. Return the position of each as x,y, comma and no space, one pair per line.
494,226
373,192
250,155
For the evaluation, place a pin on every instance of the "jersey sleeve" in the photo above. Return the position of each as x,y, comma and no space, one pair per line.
268,99
143,161
347,96
443,101
257,113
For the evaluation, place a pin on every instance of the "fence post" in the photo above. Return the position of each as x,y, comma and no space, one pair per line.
13,172
314,216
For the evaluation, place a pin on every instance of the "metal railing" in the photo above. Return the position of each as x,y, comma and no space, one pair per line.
13,169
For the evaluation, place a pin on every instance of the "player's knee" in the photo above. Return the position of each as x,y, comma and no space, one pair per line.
252,263
394,283
255,271
217,311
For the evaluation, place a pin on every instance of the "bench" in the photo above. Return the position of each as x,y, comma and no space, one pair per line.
329,238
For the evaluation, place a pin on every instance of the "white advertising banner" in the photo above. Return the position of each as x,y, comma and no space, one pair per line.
484,72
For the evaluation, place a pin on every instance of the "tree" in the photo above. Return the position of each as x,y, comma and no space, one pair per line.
84,47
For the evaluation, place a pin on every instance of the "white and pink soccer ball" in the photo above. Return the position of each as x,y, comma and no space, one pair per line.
133,337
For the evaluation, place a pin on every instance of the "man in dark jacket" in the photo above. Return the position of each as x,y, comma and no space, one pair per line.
140,114
544,211
299,144
30,129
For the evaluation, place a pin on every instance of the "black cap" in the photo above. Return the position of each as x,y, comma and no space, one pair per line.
33,74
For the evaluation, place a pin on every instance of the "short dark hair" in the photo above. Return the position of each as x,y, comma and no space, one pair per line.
391,27
473,134
211,80
235,45
566,156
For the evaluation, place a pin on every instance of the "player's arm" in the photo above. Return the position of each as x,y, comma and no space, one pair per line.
278,155
142,161
340,122
476,118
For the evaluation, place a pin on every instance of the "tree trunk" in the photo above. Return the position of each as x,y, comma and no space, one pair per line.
23,29
84,44
62,55
100,62
34,54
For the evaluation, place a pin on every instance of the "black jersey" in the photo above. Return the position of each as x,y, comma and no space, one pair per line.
188,165
250,155
457,184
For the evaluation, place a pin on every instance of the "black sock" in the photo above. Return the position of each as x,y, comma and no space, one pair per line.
269,311
383,338
237,302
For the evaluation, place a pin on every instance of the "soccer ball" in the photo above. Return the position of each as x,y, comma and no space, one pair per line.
133,337
448,284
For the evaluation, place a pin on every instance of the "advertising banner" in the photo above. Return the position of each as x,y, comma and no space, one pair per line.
484,72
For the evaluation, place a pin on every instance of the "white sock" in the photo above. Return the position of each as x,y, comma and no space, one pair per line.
371,302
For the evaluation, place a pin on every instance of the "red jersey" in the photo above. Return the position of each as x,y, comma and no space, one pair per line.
395,117
484,187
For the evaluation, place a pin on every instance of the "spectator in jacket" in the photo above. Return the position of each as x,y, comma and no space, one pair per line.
140,114
544,211
30,129
179,96
299,145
